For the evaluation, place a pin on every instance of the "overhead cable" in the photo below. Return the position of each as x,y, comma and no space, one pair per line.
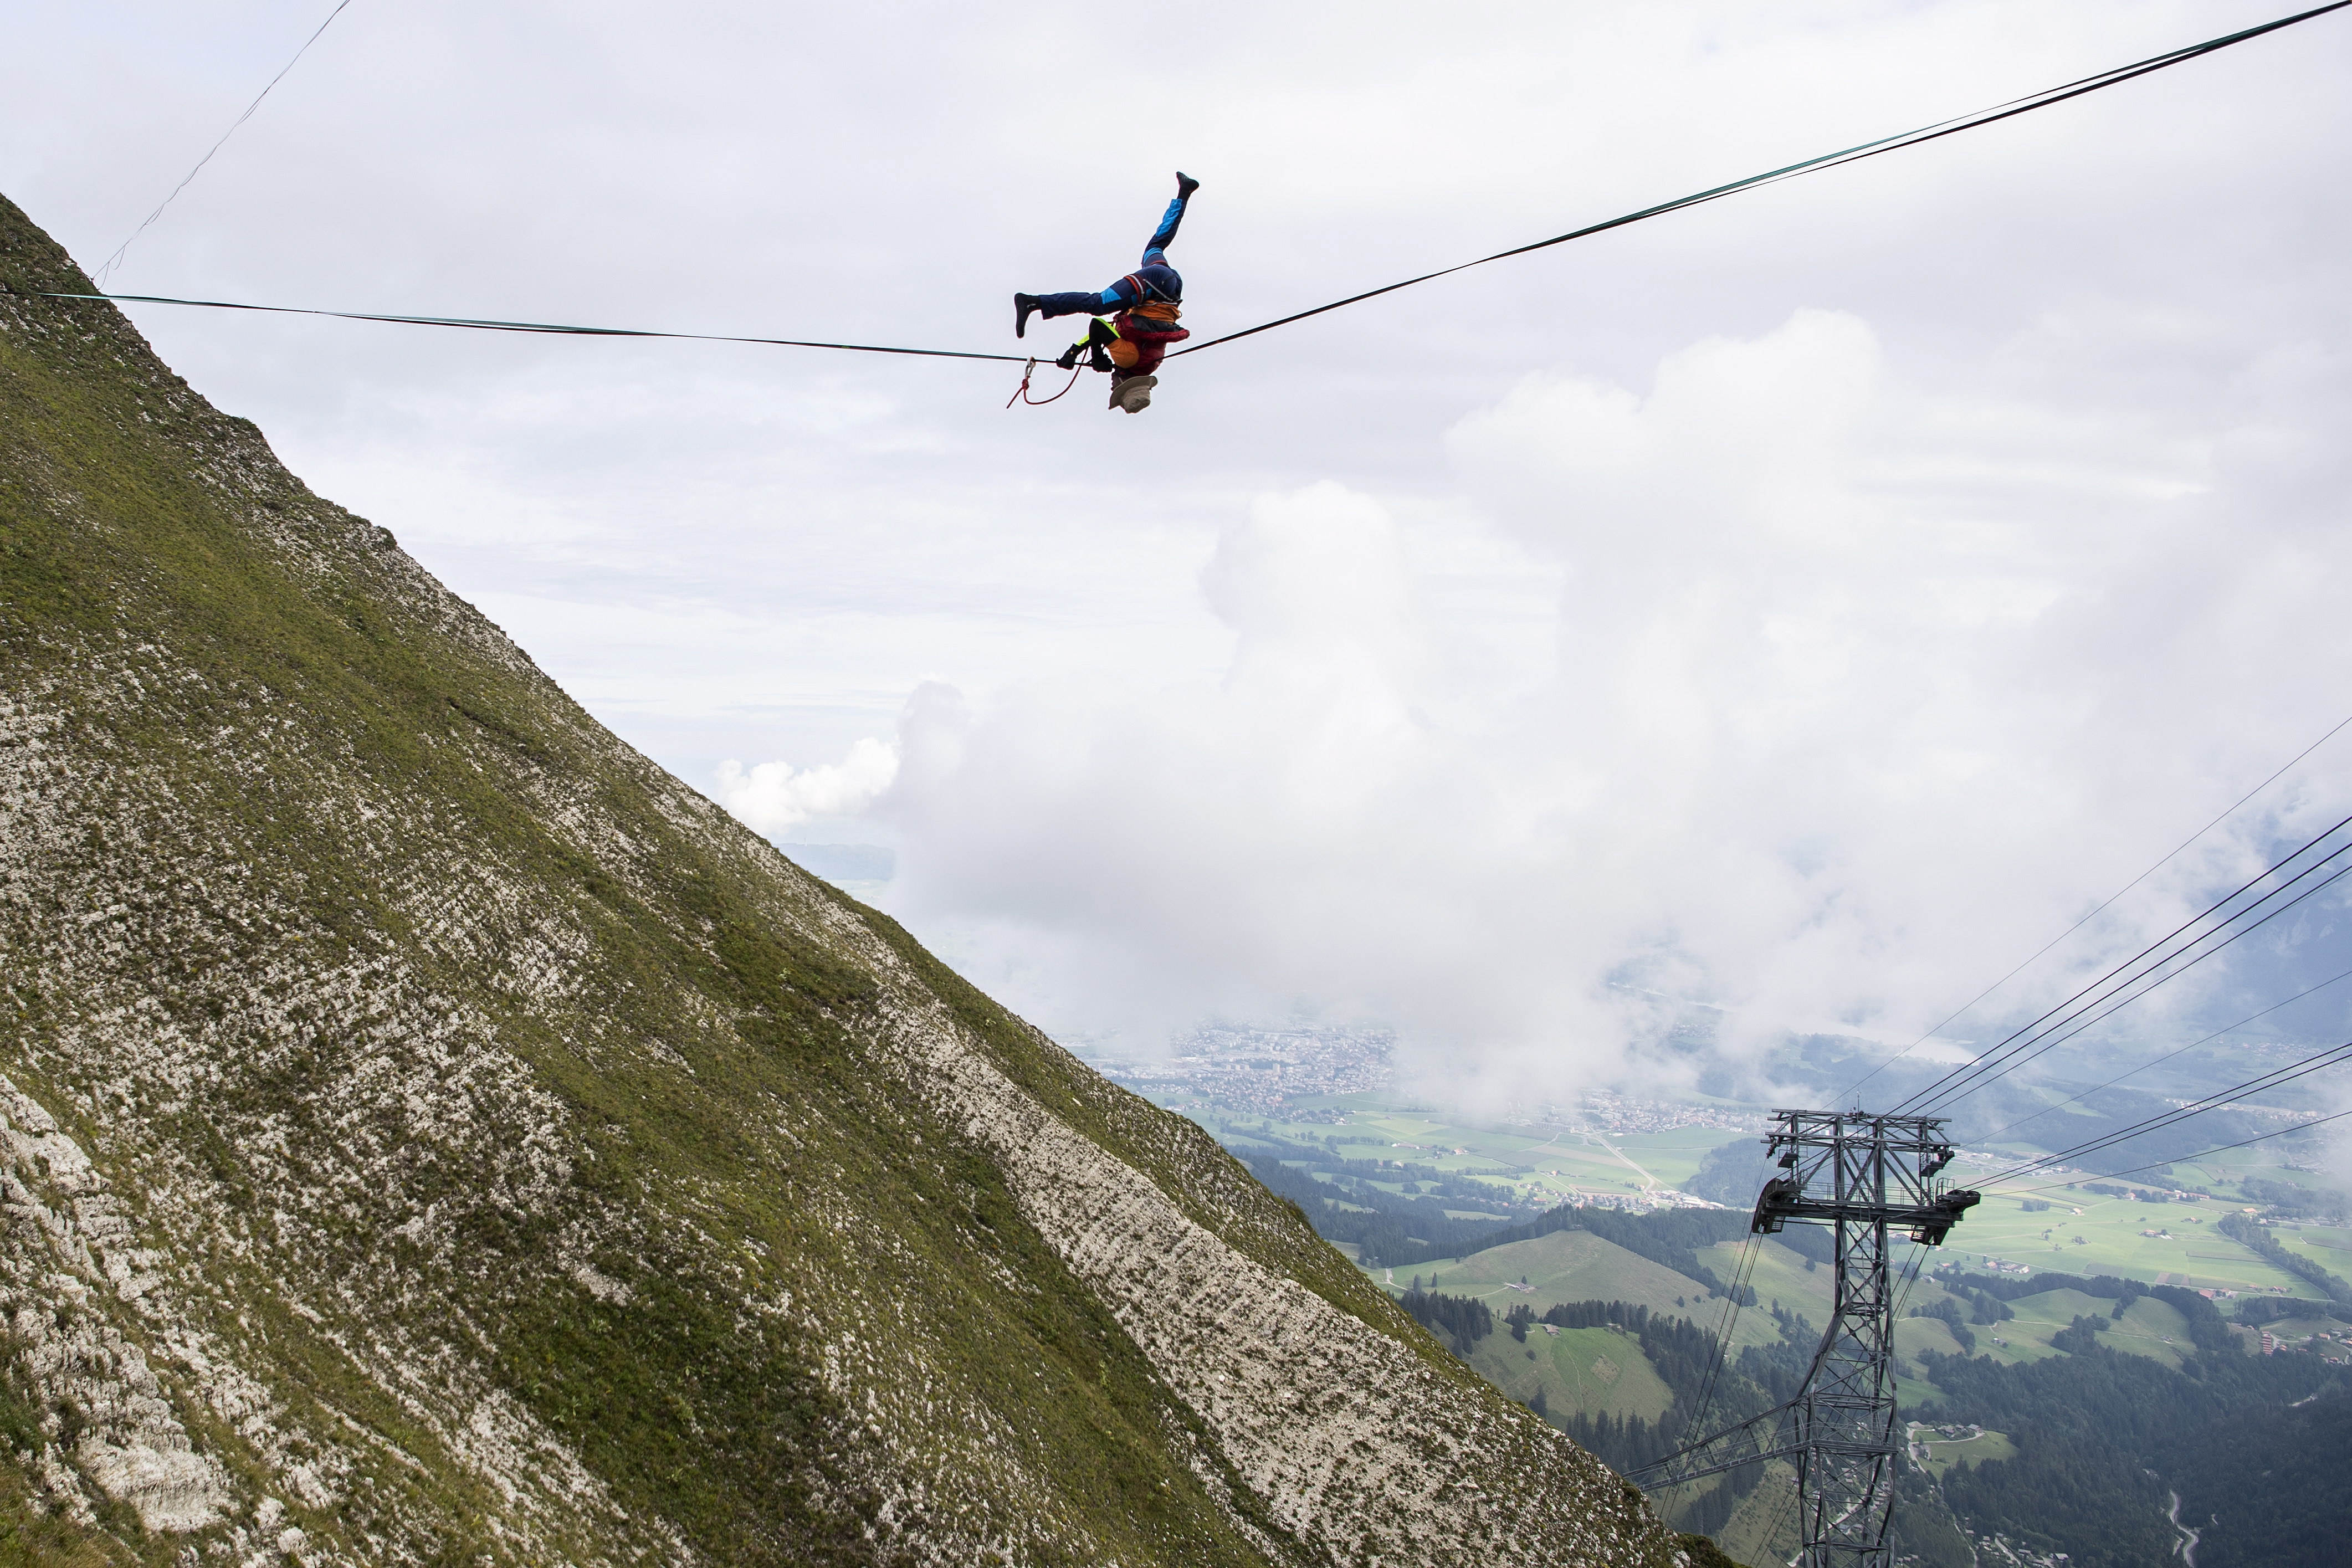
112,262
2202,1153
1843,1094
1995,1135
2025,1036
2110,1004
1726,1323
2334,1055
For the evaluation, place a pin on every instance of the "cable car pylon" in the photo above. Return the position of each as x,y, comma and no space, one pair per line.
1864,1176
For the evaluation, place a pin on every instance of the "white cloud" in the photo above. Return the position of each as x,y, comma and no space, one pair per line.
773,796
1863,689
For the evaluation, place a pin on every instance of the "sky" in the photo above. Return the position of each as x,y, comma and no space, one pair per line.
1809,605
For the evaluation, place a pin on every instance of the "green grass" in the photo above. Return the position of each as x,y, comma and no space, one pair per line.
1915,1337
1565,1265
1592,1371
1943,1453
2105,1236
1764,1528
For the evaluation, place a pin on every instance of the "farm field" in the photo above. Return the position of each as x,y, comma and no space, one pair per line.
1544,1164
2149,1327
1915,1337
1778,1274
1595,1370
1943,1452
1571,1266
2328,1246
2085,1233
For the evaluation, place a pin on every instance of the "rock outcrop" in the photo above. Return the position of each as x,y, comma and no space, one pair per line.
431,1134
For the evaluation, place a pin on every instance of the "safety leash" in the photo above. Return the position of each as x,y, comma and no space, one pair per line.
1020,393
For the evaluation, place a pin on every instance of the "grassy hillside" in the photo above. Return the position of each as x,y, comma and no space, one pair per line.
1566,1266
429,1133
1590,1371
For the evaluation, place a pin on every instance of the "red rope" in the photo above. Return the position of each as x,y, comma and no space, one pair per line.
1020,393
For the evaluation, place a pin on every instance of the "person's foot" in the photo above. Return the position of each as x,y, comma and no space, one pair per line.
1186,184
1023,306
1069,360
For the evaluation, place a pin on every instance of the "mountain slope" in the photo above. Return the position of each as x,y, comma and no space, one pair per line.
430,1133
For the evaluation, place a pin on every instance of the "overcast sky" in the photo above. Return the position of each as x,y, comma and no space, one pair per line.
1811,603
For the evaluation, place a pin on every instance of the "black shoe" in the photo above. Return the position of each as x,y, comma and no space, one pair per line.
1023,305
1069,360
1186,184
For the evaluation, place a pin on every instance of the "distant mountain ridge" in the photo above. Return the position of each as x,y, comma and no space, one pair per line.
430,1133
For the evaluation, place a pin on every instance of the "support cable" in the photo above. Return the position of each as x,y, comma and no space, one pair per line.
2334,1055
547,327
112,262
2068,1028
1846,1093
1993,1136
2219,1149
2011,1045
1728,1320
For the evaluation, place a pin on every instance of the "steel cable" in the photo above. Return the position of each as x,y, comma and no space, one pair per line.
2017,1041
2039,1046
2103,906
2070,1099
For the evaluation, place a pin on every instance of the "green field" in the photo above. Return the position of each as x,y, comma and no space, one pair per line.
1590,1370
2329,1246
1568,1265
1778,1274
2323,1335
1942,1452
2083,1233
1543,1164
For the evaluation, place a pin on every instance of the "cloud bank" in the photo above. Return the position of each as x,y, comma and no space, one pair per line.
1861,688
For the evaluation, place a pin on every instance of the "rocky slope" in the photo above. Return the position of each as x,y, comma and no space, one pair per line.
431,1134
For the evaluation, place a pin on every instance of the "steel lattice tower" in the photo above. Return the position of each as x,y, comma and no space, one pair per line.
1863,1176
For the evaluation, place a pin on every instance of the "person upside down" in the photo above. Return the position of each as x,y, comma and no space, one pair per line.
1142,307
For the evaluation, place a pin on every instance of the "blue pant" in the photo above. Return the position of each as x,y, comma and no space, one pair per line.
1161,281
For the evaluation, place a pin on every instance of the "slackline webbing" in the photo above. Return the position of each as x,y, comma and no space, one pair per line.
1813,165
561,331
1926,133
